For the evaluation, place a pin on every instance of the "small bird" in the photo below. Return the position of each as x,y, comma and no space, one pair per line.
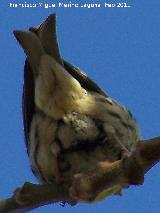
70,123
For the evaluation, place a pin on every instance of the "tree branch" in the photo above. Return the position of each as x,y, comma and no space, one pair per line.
33,195
85,187
123,173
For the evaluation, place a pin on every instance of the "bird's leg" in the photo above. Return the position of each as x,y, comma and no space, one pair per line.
120,173
86,187
113,138
115,141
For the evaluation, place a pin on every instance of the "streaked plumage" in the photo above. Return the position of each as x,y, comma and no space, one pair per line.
69,121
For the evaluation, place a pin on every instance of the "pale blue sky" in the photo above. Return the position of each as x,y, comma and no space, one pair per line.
120,49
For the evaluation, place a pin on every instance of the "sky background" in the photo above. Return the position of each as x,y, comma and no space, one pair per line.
120,49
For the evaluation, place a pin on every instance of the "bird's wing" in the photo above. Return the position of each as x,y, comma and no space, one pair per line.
28,106
86,82
46,32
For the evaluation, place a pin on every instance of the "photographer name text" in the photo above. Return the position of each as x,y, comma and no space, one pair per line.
69,5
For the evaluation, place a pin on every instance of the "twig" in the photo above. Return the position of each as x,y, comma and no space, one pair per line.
85,187
123,173
32,196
